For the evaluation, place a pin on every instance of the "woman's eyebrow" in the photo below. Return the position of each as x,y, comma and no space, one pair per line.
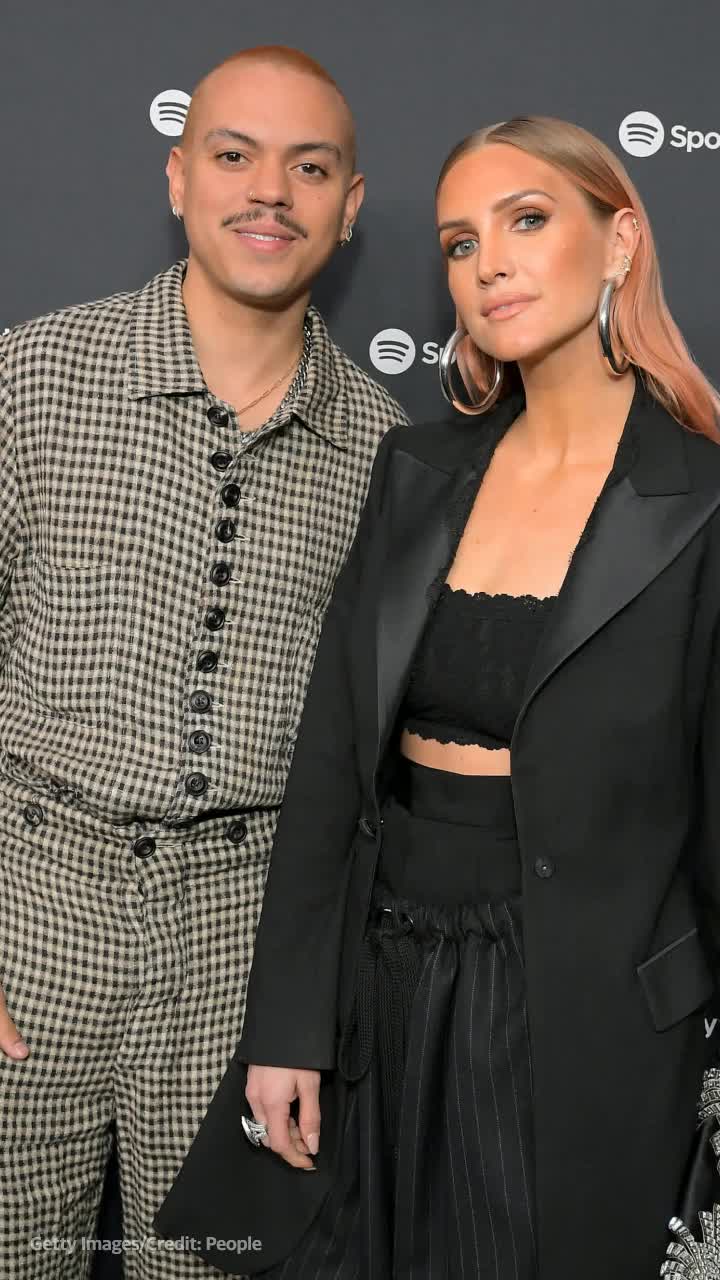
499,205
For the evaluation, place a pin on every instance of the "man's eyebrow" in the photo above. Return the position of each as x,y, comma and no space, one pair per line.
499,206
231,134
296,149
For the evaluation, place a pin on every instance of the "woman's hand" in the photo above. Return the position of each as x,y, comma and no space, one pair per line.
270,1090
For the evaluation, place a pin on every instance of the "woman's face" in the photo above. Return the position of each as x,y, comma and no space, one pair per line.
526,255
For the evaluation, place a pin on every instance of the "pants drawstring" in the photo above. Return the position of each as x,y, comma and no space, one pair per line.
388,972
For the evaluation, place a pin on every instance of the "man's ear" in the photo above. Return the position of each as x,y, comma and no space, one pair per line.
354,198
175,170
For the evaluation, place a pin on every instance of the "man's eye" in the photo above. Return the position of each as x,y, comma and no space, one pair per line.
232,156
308,165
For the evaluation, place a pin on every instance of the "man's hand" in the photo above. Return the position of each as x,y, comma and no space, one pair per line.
270,1090
11,1042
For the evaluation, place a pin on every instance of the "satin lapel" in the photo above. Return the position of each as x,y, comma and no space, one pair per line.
418,545
636,535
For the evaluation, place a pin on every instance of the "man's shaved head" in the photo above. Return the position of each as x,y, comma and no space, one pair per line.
275,55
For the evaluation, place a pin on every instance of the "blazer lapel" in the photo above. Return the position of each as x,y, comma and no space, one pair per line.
641,524
418,546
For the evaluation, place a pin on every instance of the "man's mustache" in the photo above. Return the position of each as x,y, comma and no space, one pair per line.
282,220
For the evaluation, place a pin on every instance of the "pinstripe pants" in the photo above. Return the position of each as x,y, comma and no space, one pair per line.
435,1176
126,975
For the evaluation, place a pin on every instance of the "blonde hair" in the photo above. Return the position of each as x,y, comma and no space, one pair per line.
641,322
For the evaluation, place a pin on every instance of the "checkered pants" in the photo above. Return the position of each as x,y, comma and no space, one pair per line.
126,976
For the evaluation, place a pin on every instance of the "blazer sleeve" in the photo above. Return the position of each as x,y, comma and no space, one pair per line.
290,1012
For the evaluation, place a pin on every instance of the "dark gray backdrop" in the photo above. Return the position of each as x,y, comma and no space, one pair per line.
84,208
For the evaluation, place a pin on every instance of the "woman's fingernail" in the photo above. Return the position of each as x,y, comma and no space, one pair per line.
313,1141
309,1168
19,1049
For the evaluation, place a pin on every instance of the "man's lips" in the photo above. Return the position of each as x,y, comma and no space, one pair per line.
265,238
502,308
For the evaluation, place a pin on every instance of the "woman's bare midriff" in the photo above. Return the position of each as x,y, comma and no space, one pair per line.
455,757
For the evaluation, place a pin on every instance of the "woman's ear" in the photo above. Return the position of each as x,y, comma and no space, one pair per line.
622,243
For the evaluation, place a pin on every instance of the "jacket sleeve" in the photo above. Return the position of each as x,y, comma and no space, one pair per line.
706,861
290,1013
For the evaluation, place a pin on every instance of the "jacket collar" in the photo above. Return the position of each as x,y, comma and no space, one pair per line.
162,359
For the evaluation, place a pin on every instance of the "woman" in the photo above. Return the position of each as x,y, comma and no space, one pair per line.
490,924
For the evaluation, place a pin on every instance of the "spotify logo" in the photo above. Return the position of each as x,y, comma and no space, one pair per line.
641,133
392,351
169,110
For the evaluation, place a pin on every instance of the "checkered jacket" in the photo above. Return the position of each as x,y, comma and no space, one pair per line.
164,575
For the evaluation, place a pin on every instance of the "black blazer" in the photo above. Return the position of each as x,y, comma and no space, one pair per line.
617,799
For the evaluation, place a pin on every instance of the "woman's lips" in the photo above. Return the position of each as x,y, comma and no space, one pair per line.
506,310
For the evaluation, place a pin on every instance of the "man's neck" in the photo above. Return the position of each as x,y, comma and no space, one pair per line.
242,349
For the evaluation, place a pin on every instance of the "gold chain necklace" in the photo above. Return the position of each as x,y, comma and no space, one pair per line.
263,394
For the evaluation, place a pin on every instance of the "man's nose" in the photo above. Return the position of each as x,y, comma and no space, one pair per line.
269,184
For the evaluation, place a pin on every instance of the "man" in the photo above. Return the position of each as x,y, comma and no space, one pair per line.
182,473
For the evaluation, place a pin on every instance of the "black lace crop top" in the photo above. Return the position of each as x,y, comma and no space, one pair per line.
472,664
470,671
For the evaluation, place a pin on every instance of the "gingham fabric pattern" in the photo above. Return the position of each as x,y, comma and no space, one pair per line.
116,468
144,533
127,977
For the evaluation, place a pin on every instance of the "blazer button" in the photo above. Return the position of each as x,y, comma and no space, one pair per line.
215,618
218,416
200,700
368,828
230,493
225,530
207,661
196,784
237,832
144,847
220,573
199,741
544,867
221,459
33,814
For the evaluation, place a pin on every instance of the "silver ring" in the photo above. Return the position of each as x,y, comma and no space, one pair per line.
254,1131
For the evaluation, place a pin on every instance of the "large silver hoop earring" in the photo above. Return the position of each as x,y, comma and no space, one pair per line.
445,369
604,308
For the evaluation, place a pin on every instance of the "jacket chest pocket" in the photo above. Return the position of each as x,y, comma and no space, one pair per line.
68,654
676,980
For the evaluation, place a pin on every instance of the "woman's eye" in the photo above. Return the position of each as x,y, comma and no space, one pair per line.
534,217
460,248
